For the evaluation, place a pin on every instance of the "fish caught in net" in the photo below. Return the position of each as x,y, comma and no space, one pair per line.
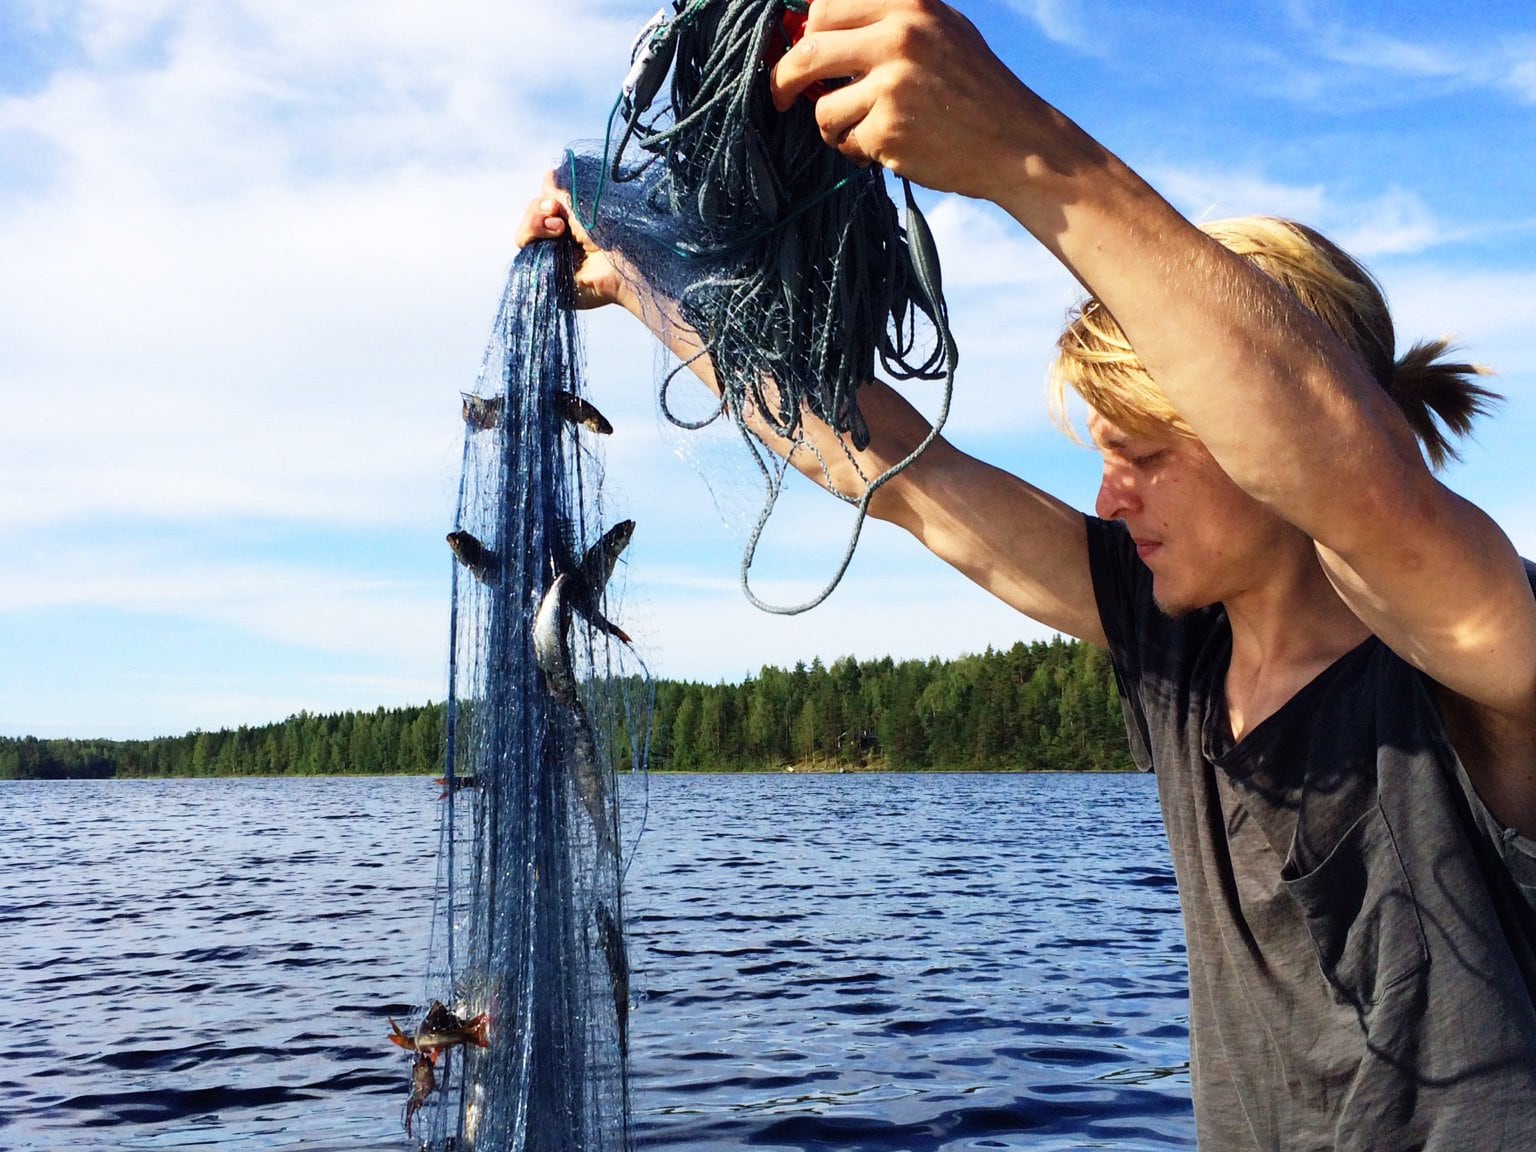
792,271
524,1045
784,260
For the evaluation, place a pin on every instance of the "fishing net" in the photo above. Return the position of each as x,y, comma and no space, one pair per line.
790,269
528,975
783,261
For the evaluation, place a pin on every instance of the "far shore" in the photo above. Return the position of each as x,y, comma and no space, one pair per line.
808,769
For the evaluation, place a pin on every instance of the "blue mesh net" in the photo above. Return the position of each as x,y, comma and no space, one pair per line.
547,704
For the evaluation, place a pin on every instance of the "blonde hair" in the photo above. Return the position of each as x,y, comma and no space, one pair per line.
1437,396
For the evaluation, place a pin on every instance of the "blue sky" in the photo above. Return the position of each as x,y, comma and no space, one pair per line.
251,252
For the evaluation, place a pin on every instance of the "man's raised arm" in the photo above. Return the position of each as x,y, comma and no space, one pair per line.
1019,543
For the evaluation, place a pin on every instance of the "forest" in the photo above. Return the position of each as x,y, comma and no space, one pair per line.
1044,706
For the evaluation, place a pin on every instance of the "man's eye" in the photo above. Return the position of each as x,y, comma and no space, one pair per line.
1146,458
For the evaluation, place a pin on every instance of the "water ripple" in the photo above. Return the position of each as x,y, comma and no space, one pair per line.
890,964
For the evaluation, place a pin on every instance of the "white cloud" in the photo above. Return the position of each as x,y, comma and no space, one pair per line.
1337,55
1374,51
194,324
1522,76
1393,223
982,247
1061,21
1205,194
304,605
1396,222
1491,313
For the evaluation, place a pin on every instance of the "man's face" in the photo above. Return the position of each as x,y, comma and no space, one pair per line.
1203,538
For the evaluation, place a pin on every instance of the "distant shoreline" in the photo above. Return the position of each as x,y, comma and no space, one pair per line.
1051,705
785,770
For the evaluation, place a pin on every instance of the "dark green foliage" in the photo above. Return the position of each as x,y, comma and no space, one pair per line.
403,740
1050,705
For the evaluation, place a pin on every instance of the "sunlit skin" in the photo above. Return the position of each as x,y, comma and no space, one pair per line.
1206,541
1181,511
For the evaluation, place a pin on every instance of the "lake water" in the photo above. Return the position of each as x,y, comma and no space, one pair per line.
880,963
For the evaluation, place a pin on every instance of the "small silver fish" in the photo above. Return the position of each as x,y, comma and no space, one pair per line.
482,413
483,564
590,783
551,644
582,412
580,592
552,653
597,565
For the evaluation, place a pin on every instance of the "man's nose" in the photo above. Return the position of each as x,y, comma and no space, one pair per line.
1117,493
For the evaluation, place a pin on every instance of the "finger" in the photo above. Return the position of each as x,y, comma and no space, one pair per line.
542,220
841,54
839,114
552,215
554,201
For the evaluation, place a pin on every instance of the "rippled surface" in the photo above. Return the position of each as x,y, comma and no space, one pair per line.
828,962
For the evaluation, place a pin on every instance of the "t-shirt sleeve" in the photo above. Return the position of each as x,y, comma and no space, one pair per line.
1121,586
1118,582
1520,851
1516,851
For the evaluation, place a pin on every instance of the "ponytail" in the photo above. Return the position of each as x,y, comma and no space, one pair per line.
1439,397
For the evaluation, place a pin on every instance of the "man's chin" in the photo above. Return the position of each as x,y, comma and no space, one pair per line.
1172,605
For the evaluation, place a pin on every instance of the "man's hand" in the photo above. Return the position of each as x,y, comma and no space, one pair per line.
599,277
924,95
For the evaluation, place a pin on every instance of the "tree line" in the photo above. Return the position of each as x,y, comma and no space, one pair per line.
382,742
1047,705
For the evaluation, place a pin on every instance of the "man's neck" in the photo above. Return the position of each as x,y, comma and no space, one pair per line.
1284,633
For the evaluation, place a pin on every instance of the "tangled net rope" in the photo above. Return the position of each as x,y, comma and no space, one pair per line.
525,1044
784,259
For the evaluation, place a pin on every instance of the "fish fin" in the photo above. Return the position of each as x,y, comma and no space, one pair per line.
603,624
398,1036
477,1030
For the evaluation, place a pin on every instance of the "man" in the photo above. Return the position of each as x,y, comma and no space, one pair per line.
1328,658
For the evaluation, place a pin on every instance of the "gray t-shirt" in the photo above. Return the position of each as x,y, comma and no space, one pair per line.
1362,933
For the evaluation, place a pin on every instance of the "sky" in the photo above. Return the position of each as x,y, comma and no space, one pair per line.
250,253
